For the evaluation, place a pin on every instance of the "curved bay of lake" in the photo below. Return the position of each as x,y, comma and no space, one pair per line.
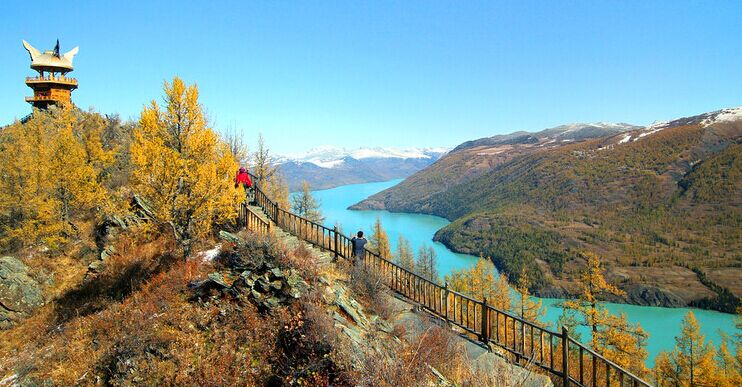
662,324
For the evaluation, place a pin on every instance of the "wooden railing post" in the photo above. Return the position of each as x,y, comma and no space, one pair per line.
485,321
335,244
565,356
445,300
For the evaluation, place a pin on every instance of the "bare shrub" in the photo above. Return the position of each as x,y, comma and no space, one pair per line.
410,365
302,259
369,284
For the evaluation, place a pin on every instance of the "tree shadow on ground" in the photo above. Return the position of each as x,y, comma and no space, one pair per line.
96,294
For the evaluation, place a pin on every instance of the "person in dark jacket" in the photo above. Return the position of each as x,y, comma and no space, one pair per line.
243,178
359,243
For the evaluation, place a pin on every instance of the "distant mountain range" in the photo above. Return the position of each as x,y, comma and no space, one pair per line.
328,167
557,135
662,205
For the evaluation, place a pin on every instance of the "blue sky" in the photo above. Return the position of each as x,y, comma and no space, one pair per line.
397,73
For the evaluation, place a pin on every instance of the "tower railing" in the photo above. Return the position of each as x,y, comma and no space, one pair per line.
49,78
44,98
527,342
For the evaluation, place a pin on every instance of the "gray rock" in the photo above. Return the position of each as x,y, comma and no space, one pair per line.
96,266
272,302
230,238
296,285
353,333
223,279
107,252
144,207
351,307
642,294
20,295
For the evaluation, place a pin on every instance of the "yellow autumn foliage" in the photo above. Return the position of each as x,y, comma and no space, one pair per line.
526,306
379,239
480,281
691,363
53,170
181,166
611,335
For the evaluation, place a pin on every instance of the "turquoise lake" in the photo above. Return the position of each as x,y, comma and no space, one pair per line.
662,324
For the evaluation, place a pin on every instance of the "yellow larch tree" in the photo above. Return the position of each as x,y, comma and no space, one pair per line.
525,306
691,363
306,205
612,336
480,281
181,166
379,239
729,368
404,256
426,263
268,176
54,177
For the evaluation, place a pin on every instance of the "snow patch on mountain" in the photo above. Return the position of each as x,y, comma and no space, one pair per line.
723,115
626,138
333,157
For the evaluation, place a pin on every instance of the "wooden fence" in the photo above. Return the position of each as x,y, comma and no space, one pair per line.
251,221
567,359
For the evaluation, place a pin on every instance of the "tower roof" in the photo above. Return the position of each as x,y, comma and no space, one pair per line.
50,59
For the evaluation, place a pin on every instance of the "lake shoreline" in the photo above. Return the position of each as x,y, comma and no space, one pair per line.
637,293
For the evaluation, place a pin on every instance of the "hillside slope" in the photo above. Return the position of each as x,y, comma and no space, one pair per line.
472,158
661,205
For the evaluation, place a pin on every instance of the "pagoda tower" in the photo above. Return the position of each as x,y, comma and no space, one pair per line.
51,86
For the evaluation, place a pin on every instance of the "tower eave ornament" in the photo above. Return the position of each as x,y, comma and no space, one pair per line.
50,58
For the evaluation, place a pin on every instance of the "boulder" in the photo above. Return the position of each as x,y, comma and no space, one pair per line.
225,280
267,285
351,307
231,238
20,295
143,207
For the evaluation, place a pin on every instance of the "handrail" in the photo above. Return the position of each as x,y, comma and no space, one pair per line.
251,221
529,343
49,78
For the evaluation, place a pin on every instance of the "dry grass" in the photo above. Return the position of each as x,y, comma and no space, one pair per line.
370,286
138,324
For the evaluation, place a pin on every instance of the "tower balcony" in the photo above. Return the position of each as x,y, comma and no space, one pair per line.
41,98
59,80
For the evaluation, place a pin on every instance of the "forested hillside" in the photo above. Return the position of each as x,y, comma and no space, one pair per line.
661,205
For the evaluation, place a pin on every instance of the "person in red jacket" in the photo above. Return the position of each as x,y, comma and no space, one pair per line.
243,179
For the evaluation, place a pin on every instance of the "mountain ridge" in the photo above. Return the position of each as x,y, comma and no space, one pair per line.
327,167
665,198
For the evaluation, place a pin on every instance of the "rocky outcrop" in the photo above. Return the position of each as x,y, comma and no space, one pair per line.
257,278
141,212
641,294
267,287
20,294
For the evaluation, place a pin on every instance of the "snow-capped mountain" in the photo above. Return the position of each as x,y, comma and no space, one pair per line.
559,134
705,120
328,166
333,157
